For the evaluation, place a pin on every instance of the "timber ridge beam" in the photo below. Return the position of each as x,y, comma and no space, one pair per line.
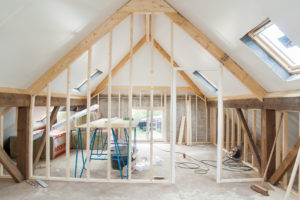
276,103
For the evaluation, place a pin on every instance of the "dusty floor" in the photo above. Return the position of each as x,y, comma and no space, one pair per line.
189,185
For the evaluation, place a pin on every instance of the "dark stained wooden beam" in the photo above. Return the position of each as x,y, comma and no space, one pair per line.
8,164
23,141
268,134
58,101
285,164
43,139
276,103
252,146
14,100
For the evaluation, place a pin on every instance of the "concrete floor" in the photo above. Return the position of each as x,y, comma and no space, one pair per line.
188,184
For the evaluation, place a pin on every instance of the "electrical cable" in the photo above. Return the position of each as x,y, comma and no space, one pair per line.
203,166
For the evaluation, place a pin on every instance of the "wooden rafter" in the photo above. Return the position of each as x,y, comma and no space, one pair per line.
77,51
194,87
219,54
146,6
118,67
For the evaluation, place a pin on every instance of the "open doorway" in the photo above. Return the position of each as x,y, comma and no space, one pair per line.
143,129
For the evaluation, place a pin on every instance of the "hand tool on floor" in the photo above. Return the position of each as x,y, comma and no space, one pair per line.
262,188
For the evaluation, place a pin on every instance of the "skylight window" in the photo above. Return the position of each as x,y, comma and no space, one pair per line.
205,81
269,37
83,85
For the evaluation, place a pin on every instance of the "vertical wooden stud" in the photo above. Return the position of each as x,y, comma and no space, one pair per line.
299,166
196,118
254,134
165,117
68,124
239,133
109,108
151,99
227,130
30,142
48,131
148,27
130,96
140,98
220,125
88,115
278,142
1,140
285,143
233,135
246,140
173,106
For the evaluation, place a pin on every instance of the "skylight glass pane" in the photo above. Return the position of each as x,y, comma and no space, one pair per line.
282,44
83,85
205,81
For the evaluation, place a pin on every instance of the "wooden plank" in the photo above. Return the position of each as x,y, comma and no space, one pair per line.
293,175
77,51
299,166
194,87
278,142
23,138
48,126
8,164
239,132
109,107
147,26
68,123
196,120
58,101
30,142
286,164
219,54
279,103
148,88
181,130
227,130
165,117
253,148
215,126
246,141
43,139
14,100
130,95
233,135
1,139
220,126
268,133
88,112
13,90
285,144
254,134
118,67
151,99
146,6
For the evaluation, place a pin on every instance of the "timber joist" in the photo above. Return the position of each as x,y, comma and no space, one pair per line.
278,103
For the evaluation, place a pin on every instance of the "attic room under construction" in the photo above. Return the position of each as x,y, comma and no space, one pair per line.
149,99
